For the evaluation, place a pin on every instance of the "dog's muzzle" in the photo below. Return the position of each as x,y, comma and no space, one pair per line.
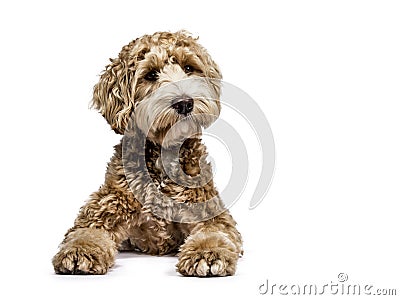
183,106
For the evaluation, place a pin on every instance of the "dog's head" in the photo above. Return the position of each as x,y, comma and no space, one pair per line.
160,80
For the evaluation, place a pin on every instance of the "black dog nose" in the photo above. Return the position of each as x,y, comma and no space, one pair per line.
184,106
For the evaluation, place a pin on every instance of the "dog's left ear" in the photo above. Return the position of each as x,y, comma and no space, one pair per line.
112,95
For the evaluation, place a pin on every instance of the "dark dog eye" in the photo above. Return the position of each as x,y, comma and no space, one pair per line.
188,69
151,76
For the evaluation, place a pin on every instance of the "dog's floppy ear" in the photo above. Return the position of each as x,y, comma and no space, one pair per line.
113,95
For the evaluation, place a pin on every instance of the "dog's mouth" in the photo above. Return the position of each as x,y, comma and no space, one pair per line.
193,112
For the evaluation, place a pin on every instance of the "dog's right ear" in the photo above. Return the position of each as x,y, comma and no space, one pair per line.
113,94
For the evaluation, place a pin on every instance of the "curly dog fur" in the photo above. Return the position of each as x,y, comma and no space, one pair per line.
113,218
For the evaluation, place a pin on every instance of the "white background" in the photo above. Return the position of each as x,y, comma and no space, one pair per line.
325,73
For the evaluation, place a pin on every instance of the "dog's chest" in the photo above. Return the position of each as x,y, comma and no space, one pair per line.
170,170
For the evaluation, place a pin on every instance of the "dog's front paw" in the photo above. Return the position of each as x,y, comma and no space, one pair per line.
85,255
209,254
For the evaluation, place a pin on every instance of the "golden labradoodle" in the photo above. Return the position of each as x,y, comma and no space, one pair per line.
141,206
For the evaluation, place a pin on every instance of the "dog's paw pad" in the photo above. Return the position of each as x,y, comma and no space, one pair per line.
217,262
80,261
202,268
218,268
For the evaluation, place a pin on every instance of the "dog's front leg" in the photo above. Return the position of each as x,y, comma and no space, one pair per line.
212,248
91,245
85,251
